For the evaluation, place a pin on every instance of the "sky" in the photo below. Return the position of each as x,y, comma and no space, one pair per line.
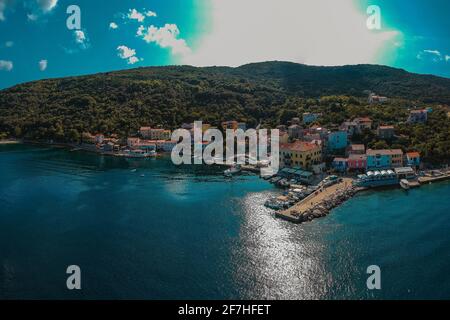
37,42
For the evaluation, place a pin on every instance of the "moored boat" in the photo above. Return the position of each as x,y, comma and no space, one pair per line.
405,184
235,169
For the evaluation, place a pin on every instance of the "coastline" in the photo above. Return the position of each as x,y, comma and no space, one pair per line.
318,204
10,141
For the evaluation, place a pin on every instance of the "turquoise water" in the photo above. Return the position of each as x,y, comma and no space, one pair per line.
166,232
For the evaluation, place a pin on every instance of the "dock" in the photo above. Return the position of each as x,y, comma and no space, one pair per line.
429,179
315,200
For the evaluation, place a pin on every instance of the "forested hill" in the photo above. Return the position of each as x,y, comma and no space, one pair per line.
122,101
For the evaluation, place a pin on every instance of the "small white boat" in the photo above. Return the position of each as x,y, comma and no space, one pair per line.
140,154
235,169
404,184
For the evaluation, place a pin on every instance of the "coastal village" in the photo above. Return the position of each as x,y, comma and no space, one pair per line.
319,167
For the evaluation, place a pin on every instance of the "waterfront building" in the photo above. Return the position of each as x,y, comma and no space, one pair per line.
386,132
133,142
337,140
357,162
295,131
356,149
413,159
168,145
300,153
373,179
339,164
146,145
382,159
155,134
405,173
99,138
418,116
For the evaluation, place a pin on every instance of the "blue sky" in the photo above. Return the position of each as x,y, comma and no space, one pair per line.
35,42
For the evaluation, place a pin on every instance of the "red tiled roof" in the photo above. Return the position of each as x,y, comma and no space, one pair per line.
301,146
364,119
413,154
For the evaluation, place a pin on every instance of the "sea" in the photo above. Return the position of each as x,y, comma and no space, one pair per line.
147,229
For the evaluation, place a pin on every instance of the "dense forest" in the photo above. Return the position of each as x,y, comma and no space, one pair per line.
269,93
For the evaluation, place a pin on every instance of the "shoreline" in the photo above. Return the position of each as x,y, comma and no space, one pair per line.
10,141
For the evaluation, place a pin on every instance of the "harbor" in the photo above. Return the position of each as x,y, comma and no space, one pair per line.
333,191
319,203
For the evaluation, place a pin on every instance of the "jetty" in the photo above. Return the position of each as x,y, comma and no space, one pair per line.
320,203
436,177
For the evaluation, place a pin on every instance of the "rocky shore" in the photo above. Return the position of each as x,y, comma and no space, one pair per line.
324,207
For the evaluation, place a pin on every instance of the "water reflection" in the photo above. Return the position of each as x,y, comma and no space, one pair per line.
274,259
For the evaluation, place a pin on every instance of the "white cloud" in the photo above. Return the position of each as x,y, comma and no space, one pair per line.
6,65
133,14
47,5
133,60
140,31
127,54
165,37
113,25
9,44
433,55
433,52
81,39
151,14
43,65
447,57
319,32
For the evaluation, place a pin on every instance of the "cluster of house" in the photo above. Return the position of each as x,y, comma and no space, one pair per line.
306,148
152,139
299,147
100,142
358,159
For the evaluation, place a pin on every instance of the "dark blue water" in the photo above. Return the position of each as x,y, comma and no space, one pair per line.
186,232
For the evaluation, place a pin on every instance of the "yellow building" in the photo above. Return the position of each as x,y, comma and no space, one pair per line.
300,154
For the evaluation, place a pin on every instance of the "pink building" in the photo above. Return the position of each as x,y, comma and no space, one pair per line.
357,162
